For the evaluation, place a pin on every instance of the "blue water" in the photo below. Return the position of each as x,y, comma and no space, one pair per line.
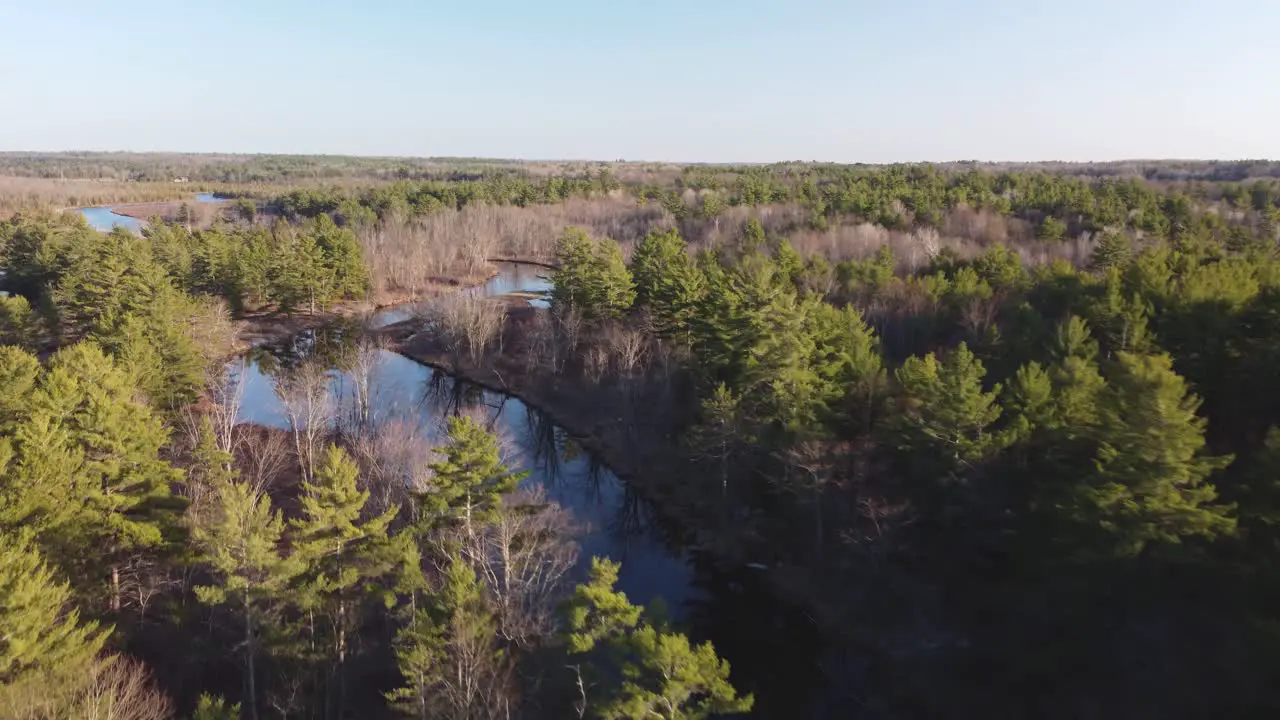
101,218
511,278
613,521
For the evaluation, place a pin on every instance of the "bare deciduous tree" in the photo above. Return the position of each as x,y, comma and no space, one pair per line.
120,688
263,454
304,393
365,361
628,346
465,323
393,459
524,558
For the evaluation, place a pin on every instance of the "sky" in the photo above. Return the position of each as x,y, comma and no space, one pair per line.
691,80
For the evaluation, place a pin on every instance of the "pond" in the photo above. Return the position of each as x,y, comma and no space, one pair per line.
773,648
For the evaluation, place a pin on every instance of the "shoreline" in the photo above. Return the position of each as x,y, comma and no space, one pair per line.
788,583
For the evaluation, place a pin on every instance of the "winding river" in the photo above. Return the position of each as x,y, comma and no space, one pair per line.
774,649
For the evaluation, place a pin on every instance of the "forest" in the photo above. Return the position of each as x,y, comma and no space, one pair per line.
1008,438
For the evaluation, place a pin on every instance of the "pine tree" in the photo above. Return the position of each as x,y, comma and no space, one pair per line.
468,483
609,287
720,433
46,653
344,561
571,278
667,282
343,258
846,358
1112,251
596,612
753,237
640,668
19,325
210,707
87,471
1151,480
946,414
240,541
448,655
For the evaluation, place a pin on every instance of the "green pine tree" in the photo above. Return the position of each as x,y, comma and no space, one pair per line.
1151,483
610,288
448,654
468,483
640,668
46,653
240,541
344,561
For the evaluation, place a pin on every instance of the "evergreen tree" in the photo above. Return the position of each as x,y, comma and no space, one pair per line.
343,561
1151,480
88,473
643,669
571,278
946,414
666,281
846,358
1113,250
46,653
449,656
610,289
343,258
19,324
210,707
468,483
241,543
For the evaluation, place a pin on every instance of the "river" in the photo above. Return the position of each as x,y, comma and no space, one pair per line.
105,219
773,648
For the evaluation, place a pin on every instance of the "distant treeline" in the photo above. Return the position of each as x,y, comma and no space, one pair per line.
248,168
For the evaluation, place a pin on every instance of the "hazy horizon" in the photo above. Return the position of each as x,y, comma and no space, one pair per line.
719,82
664,161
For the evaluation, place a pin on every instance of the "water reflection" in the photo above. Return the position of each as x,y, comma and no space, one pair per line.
511,278
615,523
774,649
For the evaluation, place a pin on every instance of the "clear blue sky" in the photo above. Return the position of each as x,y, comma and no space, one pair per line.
695,80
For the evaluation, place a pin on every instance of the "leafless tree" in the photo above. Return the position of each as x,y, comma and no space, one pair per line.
467,324
226,395
120,688
365,361
569,325
394,459
263,454
308,404
213,331
596,362
540,348
628,346
524,558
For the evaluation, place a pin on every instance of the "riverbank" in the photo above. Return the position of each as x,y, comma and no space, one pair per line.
577,405
255,329
199,213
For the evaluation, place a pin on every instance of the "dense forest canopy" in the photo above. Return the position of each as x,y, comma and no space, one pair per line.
1009,435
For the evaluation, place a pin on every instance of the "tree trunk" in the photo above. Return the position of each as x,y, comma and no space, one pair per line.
251,690
115,588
